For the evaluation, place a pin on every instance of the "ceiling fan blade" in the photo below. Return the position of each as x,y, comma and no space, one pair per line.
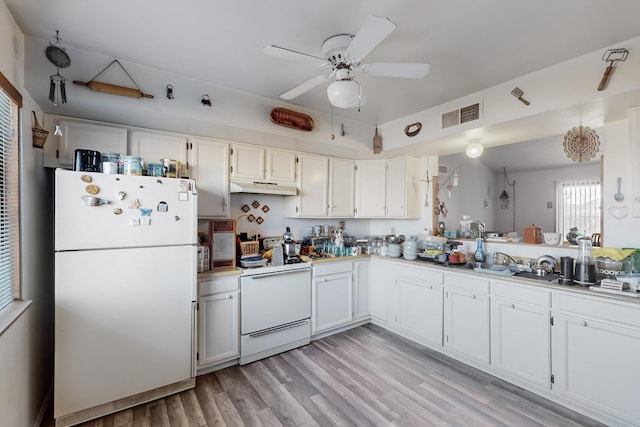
391,69
304,87
372,33
284,53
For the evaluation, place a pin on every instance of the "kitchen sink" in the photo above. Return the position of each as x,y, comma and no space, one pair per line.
532,275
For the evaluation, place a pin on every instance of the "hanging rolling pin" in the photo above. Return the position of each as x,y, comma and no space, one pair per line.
113,89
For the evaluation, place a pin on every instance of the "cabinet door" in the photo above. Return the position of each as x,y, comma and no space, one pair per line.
395,188
521,340
153,147
466,324
218,328
88,136
281,166
382,290
370,188
210,164
420,310
332,303
596,364
341,188
247,162
362,289
312,185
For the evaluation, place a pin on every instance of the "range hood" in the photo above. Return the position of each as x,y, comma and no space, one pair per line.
258,187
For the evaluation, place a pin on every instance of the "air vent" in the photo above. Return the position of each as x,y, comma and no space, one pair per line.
443,169
472,112
452,118
463,115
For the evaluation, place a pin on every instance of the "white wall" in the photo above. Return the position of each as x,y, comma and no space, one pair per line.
26,347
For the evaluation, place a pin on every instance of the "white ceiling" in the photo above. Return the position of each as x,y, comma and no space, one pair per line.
470,45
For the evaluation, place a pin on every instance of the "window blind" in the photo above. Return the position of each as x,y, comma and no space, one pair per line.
578,206
9,201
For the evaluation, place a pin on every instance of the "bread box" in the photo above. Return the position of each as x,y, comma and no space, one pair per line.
532,234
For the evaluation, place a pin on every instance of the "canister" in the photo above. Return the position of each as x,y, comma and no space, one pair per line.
132,165
155,169
110,162
172,168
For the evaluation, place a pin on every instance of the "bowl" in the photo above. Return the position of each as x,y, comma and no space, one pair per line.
552,238
395,239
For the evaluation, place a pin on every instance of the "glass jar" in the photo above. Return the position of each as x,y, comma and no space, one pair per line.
110,162
155,169
132,165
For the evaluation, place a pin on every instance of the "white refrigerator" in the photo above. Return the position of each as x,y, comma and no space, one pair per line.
125,290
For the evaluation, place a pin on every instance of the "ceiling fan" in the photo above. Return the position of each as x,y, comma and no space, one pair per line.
344,53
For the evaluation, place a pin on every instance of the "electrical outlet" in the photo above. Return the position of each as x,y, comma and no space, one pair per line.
549,205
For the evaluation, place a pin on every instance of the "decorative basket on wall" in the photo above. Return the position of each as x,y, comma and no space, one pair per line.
39,134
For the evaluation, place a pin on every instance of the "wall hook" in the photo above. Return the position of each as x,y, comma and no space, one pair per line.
206,100
170,92
342,131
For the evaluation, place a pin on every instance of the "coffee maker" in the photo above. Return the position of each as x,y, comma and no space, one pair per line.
87,161
291,248
585,272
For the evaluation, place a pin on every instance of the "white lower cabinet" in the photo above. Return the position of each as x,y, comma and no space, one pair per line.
596,349
466,317
382,288
218,321
521,332
420,310
332,293
361,289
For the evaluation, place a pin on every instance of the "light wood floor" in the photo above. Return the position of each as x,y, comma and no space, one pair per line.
363,377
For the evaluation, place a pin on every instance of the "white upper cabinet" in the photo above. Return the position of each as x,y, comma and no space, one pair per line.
77,134
254,163
155,146
209,160
325,188
312,183
341,201
387,188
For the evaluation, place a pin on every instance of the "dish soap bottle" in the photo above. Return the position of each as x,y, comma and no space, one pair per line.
478,255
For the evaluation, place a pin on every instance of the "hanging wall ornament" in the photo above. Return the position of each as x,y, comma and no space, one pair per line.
57,55
114,89
581,143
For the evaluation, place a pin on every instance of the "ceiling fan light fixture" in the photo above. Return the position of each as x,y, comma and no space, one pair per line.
474,150
344,93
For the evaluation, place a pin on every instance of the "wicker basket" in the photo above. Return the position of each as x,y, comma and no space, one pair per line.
249,249
39,134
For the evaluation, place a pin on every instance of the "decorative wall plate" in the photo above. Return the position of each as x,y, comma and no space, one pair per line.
265,209
245,208
255,204
259,220
251,218
581,143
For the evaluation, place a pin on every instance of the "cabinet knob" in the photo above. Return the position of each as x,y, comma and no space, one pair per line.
583,323
229,296
512,305
474,297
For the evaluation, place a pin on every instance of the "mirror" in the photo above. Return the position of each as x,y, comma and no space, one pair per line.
534,165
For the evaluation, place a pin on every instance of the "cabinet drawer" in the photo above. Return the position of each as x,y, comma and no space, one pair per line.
422,274
467,282
219,284
332,268
521,293
598,308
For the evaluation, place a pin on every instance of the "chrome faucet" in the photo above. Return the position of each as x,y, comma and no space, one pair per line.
504,258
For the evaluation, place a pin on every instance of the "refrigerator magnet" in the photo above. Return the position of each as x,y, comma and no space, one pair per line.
122,195
145,212
163,207
92,189
86,178
117,211
135,204
183,196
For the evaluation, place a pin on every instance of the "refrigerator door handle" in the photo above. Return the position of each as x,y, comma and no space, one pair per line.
194,337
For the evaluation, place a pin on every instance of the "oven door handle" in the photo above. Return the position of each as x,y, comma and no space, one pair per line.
278,273
279,328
